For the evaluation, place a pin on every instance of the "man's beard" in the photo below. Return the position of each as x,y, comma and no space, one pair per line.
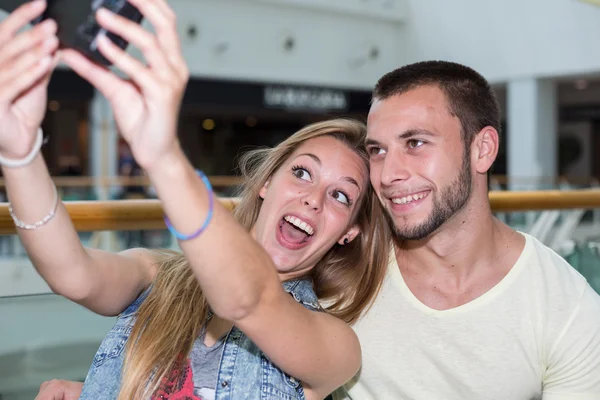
453,198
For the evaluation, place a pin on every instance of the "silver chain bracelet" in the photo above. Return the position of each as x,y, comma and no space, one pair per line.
35,225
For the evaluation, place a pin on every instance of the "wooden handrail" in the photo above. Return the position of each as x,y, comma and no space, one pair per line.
528,180
124,181
123,215
112,215
510,201
228,181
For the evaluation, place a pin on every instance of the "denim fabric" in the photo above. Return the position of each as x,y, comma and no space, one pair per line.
245,371
103,380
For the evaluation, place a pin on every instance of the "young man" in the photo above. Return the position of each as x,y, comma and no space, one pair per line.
471,309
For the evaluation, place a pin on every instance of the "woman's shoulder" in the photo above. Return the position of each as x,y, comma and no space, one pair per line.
150,259
302,290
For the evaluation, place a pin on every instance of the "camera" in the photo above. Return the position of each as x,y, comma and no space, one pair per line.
77,26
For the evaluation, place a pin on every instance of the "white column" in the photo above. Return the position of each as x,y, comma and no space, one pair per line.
102,144
532,133
103,140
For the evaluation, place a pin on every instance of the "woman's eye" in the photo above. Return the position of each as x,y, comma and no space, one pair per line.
341,197
301,173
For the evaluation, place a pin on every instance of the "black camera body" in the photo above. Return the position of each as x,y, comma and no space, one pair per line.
77,26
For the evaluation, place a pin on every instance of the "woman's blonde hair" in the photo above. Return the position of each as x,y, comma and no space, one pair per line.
346,279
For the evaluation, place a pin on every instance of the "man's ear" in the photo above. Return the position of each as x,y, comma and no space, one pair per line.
485,149
349,236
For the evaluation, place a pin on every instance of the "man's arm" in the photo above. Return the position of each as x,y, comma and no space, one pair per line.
573,370
59,390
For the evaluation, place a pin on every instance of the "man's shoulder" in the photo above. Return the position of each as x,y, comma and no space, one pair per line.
549,268
558,286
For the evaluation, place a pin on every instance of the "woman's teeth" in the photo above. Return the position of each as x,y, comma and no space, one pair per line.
298,223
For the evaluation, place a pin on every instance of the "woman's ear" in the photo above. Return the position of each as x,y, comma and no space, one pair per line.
349,236
263,190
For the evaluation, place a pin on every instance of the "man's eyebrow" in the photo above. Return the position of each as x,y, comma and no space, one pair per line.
402,136
415,132
371,142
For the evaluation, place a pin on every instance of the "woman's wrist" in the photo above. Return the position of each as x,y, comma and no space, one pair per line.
171,162
12,160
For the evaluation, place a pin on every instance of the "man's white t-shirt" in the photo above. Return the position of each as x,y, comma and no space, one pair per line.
535,335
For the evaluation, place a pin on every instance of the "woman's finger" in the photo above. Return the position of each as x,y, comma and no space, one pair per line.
9,70
109,84
134,69
19,18
26,79
42,36
27,40
27,69
164,21
161,6
137,36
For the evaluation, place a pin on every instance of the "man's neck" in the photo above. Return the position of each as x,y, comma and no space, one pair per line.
464,258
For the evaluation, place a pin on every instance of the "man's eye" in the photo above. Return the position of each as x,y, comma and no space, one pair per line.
373,151
414,143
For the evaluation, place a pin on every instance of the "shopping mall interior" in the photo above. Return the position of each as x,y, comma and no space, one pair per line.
261,70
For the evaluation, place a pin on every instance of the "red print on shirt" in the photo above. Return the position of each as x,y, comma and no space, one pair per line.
178,385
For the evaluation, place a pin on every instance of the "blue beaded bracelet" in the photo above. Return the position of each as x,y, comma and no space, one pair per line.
211,206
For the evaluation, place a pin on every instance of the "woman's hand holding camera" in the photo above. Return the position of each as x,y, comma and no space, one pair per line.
145,106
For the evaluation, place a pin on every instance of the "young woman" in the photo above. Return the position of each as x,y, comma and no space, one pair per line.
238,314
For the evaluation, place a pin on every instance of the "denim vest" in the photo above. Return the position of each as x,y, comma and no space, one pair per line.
245,371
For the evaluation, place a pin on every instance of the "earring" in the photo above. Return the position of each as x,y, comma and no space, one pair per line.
346,241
